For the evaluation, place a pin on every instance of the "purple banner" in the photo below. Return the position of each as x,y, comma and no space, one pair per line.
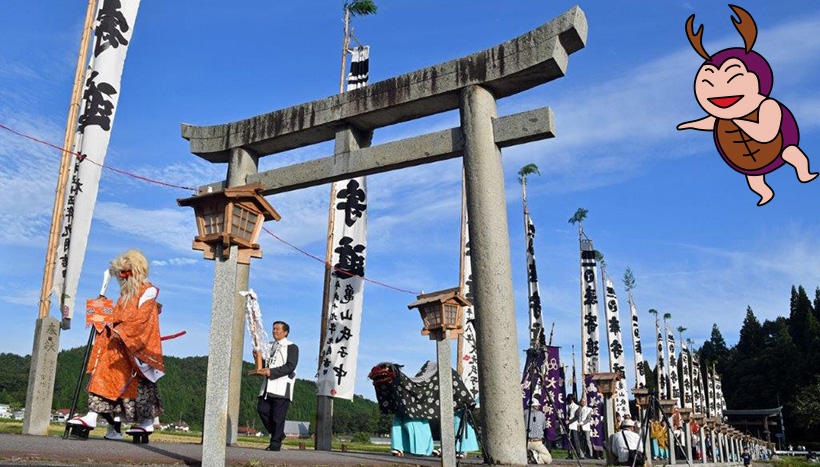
554,384
596,402
543,378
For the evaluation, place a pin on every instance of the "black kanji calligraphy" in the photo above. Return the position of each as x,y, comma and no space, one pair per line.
353,204
348,294
589,276
614,325
616,348
535,304
590,296
351,259
591,323
340,372
345,334
98,109
592,348
111,24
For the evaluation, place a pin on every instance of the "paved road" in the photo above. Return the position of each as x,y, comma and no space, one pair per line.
52,450
55,451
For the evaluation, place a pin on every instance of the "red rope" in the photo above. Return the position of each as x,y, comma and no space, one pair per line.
326,263
83,157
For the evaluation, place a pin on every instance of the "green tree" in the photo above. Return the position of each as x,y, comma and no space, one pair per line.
807,406
714,351
629,280
817,303
751,334
803,326
578,218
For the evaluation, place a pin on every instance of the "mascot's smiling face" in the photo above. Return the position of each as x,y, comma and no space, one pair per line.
733,82
728,91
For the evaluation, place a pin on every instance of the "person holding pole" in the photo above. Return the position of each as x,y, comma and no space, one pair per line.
126,357
276,392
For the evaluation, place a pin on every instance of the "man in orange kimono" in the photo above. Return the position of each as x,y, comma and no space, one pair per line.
126,358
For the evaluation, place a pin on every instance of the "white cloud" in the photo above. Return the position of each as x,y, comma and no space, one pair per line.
27,297
173,228
173,262
29,174
608,132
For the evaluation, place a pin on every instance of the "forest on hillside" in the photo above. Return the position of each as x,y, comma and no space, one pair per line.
776,362
182,391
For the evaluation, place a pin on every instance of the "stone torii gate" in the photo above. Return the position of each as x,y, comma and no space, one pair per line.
471,84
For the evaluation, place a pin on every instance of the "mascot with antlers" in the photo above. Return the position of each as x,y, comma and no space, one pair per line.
126,358
754,133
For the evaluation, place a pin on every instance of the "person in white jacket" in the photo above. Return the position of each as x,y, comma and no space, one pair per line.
277,388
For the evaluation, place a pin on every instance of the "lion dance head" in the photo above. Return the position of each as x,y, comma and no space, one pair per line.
131,270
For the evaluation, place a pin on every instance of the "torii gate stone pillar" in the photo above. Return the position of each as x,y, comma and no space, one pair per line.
471,84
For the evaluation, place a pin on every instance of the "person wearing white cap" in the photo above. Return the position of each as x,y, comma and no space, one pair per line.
627,442
535,419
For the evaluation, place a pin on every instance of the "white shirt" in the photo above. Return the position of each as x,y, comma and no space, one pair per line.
572,411
622,447
585,418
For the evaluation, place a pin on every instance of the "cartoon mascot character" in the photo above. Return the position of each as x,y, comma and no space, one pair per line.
754,133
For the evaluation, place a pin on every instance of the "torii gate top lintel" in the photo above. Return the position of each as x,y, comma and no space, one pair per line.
534,58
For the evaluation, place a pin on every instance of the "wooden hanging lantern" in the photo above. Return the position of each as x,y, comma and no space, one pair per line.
233,216
641,396
605,382
441,313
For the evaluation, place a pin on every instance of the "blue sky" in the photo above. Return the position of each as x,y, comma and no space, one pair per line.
659,200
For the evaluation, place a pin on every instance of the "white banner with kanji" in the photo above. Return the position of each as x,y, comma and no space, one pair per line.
469,355
685,377
537,330
697,386
617,362
711,406
640,371
663,389
340,351
113,30
590,344
674,383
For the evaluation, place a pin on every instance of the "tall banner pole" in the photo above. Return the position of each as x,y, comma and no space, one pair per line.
590,346
467,352
617,363
461,246
674,381
343,288
113,32
43,366
65,161
640,371
660,369
324,404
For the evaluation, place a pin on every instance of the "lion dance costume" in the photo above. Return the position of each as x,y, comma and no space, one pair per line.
413,402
